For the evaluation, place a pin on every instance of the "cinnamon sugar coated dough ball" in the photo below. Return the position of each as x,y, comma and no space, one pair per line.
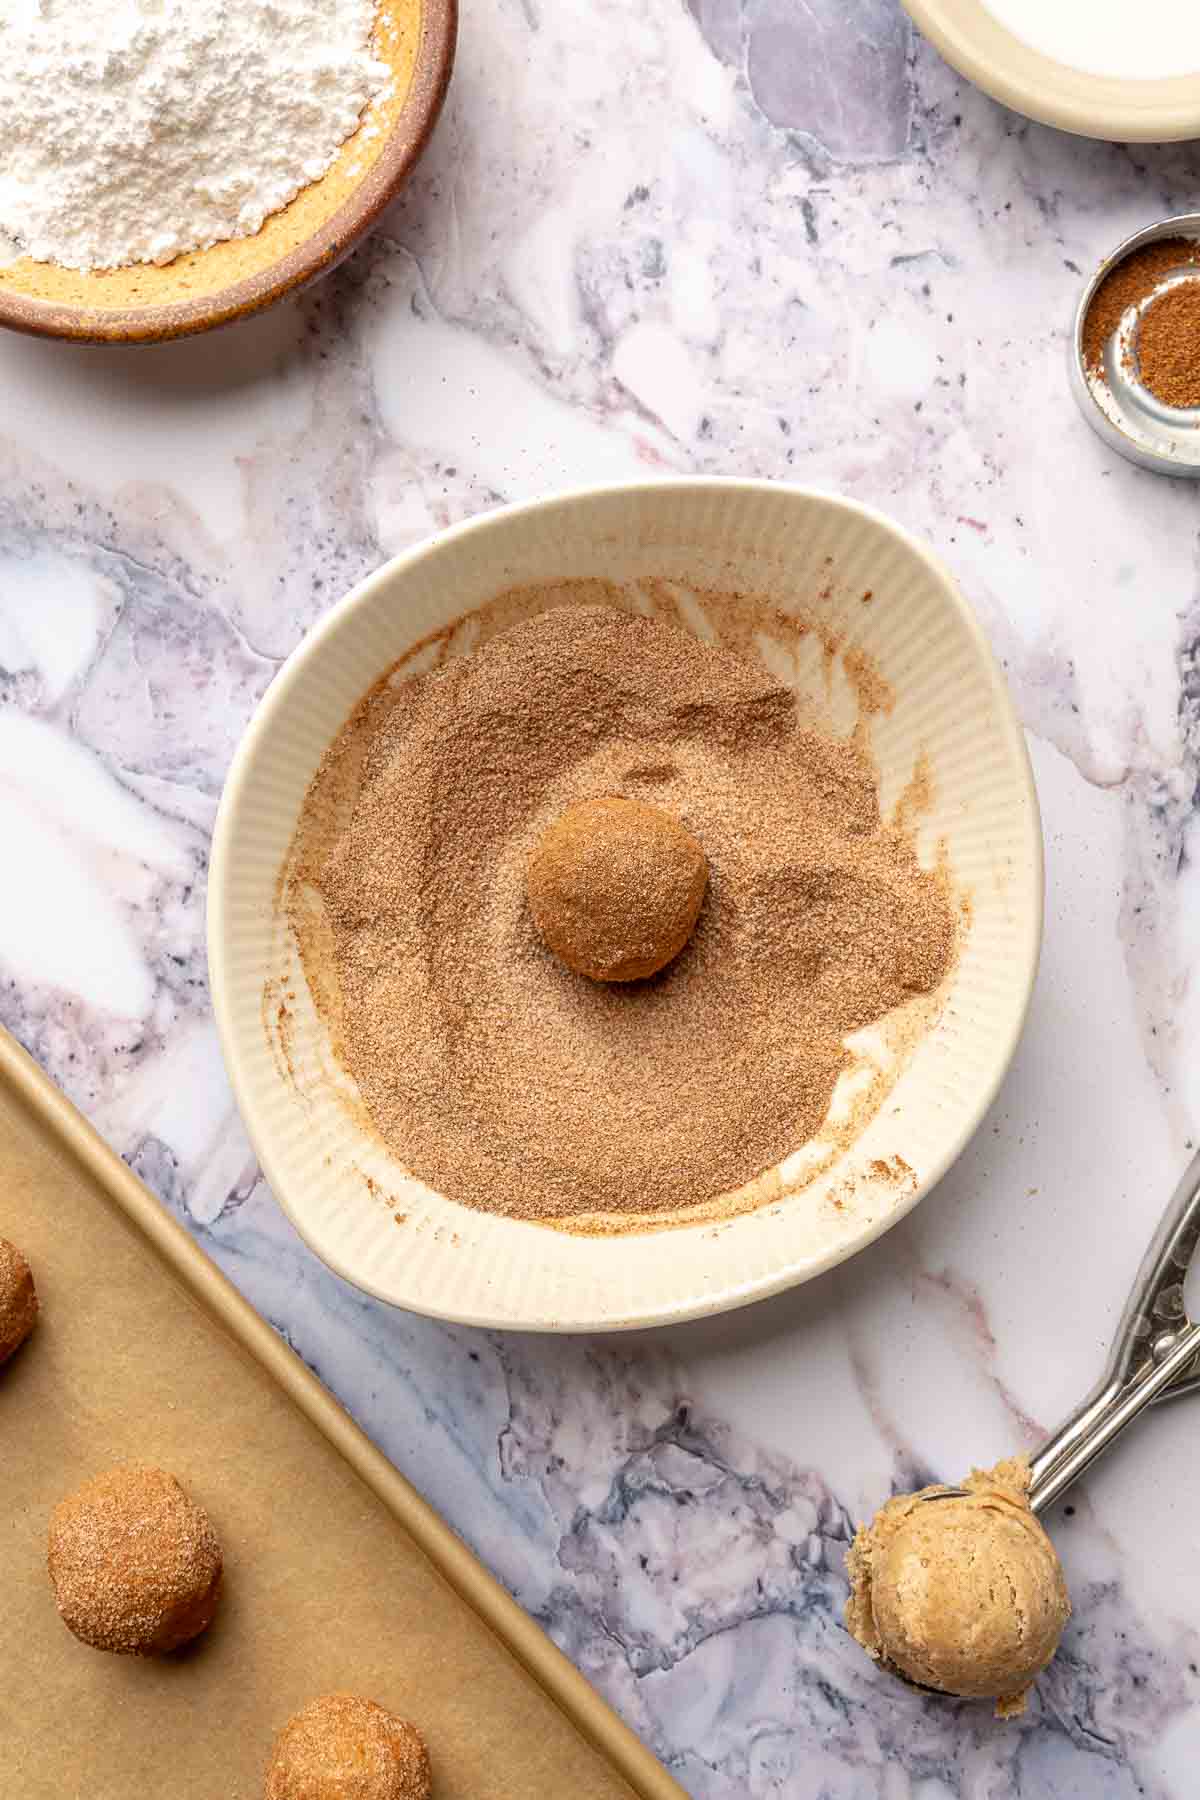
135,1563
18,1300
342,1748
615,888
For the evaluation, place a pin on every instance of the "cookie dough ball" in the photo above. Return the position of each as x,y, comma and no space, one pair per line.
615,888
963,1593
18,1300
135,1563
342,1748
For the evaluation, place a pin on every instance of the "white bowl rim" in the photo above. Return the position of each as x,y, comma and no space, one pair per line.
1112,109
240,776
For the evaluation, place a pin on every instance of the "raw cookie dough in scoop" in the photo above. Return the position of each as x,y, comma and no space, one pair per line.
340,1747
18,1300
964,1594
135,1563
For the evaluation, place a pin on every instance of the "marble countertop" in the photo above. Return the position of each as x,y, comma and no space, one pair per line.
737,237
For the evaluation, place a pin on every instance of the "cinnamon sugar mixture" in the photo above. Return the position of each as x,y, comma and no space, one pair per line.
494,1073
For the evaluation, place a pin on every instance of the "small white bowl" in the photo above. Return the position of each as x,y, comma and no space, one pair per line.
1113,108
808,552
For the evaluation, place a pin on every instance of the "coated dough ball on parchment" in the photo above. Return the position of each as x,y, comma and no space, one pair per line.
18,1300
340,1747
615,888
135,1563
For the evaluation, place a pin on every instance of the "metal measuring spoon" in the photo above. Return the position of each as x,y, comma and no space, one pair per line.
1155,1356
1116,404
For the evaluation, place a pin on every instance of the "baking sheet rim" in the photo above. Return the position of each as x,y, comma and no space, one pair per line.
55,1118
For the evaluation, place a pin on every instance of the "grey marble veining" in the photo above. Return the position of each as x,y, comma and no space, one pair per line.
740,237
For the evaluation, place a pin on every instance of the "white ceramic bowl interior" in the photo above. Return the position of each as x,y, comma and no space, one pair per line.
975,42
810,553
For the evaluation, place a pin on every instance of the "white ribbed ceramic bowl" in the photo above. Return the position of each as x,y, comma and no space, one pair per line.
341,1187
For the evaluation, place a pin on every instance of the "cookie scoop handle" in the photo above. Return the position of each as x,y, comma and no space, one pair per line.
1156,1354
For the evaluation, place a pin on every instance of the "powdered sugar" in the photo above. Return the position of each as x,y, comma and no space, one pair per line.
133,130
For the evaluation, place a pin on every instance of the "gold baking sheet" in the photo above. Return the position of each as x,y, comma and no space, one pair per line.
337,1574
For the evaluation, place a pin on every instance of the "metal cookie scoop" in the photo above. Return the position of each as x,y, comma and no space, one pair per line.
1156,1356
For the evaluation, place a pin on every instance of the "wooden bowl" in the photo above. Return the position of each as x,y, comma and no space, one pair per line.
148,304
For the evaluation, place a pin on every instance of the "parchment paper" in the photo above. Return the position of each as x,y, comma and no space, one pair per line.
325,1588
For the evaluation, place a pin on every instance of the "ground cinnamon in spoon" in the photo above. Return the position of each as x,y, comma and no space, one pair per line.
1134,278
498,1075
1168,346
